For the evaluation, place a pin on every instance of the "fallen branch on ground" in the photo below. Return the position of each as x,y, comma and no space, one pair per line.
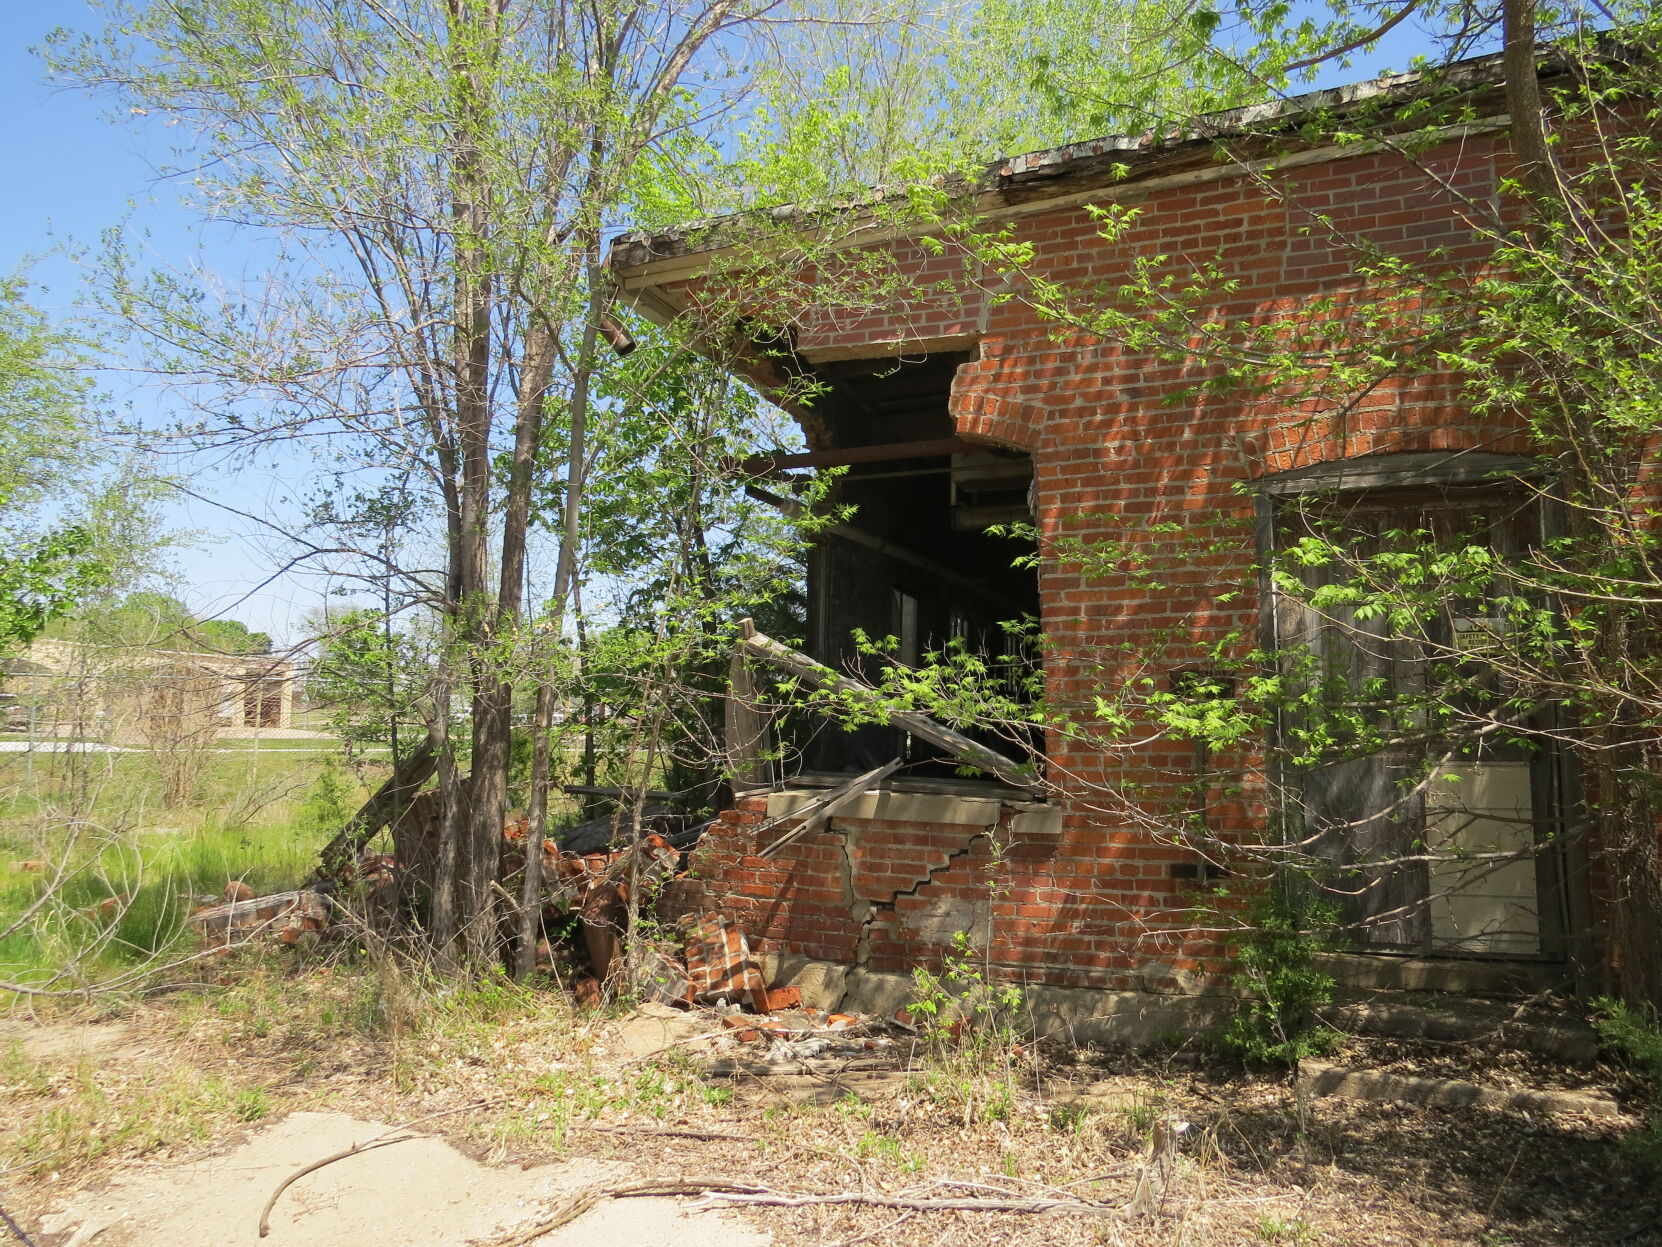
384,1139
670,1132
732,1192
357,1149
16,1229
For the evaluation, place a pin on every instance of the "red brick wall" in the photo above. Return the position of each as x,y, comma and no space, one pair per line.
1099,905
888,895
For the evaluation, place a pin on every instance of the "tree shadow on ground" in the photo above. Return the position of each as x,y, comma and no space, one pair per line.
1473,1174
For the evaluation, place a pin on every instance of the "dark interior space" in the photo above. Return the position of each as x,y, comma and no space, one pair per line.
914,560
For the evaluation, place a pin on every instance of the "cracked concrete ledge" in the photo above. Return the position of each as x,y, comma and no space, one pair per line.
1076,1015
900,807
1320,1078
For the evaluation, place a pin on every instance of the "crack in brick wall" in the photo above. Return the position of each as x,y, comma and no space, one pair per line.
867,908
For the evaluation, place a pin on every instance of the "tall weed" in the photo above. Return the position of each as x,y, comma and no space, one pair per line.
1281,984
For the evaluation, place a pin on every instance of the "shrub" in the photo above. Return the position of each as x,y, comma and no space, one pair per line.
1636,1032
1276,970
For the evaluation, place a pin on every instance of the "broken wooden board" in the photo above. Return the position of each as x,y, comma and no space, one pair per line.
284,916
818,812
956,743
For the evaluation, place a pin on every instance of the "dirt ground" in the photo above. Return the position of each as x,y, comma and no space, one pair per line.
173,1121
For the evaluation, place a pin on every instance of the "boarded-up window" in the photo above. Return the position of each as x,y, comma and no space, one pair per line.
1426,830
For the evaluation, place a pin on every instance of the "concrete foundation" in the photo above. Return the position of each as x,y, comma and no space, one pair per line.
1074,1015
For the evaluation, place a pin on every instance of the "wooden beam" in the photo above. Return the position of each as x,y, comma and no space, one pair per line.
745,736
390,801
821,809
957,744
882,545
780,461
976,519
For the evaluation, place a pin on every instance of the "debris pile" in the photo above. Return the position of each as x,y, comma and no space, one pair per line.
297,917
590,899
600,889
709,975
802,1034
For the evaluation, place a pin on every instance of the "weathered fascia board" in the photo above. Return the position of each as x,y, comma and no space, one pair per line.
640,285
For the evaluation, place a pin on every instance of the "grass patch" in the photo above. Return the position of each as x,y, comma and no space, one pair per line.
137,866
86,1116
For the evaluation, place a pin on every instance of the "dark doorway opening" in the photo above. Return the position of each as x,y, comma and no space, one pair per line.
913,560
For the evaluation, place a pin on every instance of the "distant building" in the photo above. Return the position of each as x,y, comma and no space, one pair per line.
136,691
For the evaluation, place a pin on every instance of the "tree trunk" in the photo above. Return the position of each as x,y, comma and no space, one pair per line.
530,906
452,820
472,37
1524,103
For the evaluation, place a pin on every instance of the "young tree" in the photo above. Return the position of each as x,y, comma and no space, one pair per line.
367,678
49,556
439,174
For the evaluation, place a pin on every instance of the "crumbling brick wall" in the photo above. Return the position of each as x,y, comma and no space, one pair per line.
879,893
889,894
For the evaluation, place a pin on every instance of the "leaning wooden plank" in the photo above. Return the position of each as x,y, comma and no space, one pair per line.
745,729
955,743
820,811
800,811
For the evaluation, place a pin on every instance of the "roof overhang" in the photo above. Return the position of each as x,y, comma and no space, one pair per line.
1241,142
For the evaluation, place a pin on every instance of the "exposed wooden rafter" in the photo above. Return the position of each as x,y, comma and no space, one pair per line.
782,461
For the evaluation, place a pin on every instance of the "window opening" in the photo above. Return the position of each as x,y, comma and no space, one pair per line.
913,560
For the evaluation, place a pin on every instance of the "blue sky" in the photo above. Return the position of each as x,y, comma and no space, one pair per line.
75,172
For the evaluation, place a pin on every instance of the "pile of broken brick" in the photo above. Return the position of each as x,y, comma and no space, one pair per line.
587,893
375,889
710,970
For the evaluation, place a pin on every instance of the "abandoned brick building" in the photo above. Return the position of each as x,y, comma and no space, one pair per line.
956,407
